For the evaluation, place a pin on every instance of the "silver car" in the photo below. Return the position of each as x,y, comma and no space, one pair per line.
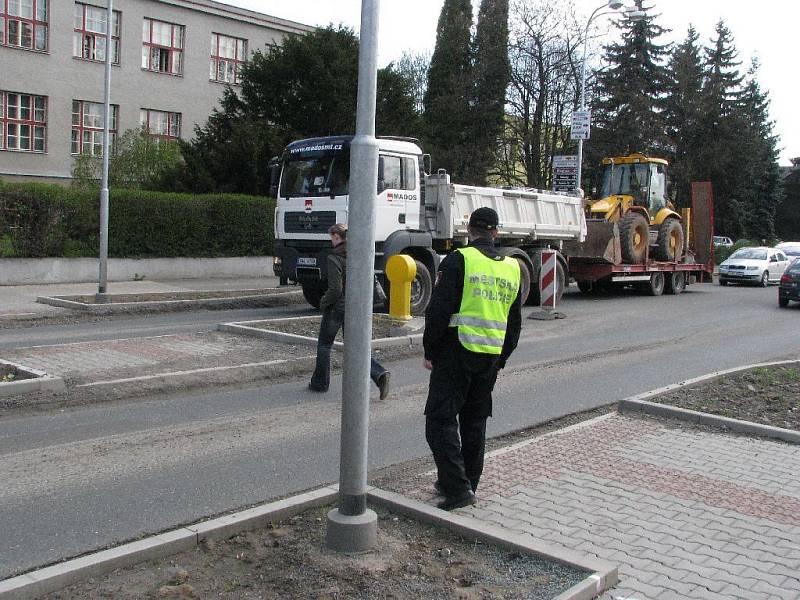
760,265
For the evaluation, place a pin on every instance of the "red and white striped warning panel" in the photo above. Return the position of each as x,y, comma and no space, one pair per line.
547,279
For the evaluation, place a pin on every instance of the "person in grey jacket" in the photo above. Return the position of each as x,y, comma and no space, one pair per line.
332,305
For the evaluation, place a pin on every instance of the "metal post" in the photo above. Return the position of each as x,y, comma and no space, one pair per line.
351,527
102,287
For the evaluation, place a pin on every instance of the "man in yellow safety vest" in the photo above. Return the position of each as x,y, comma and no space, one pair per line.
472,326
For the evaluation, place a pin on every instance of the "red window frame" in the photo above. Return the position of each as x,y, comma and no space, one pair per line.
80,51
175,50
37,22
80,128
35,121
174,120
237,61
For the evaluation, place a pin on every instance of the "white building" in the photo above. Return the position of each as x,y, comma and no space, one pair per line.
171,60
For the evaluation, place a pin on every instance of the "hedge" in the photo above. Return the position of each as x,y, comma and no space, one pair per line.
39,220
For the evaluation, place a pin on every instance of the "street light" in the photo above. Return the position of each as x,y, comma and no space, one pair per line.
634,13
102,286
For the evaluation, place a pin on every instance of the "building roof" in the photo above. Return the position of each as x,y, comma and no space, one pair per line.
240,14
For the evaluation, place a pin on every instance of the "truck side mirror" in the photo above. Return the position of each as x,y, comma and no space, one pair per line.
274,178
426,164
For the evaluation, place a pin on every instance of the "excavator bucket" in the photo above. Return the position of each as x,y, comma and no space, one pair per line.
601,244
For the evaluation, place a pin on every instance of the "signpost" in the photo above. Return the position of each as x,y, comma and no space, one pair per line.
565,173
581,123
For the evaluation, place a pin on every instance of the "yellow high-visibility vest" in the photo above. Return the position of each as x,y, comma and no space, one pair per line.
490,288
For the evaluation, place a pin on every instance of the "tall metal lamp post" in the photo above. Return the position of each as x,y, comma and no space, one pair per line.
102,286
635,14
352,527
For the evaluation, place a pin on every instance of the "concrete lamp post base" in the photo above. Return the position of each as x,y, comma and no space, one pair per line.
351,533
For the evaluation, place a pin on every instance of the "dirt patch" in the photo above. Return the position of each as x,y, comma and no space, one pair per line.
289,560
171,296
9,374
765,395
382,327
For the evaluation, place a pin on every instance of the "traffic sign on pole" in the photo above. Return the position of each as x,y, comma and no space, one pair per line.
581,124
565,173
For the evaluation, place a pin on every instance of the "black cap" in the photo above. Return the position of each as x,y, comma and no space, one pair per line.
484,218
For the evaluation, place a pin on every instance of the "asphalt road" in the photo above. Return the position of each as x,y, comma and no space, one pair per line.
79,480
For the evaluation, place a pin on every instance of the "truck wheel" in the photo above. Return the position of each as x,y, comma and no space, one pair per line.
313,292
655,287
585,287
633,237
561,281
421,289
669,243
675,283
525,281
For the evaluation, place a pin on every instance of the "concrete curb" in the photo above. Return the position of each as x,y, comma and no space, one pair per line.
49,579
40,381
242,328
165,305
640,404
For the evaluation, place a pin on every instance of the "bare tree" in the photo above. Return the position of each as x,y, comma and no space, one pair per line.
544,46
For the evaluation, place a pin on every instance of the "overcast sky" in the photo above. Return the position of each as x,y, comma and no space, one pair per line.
768,31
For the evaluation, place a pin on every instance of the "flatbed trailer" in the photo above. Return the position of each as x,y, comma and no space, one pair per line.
651,276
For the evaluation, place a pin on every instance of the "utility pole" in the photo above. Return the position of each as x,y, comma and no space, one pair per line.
352,527
102,286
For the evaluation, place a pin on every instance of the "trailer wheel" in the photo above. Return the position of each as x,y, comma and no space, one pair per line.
421,289
675,283
313,292
669,243
633,237
655,287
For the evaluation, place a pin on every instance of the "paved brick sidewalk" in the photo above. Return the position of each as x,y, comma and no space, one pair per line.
686,513
109,359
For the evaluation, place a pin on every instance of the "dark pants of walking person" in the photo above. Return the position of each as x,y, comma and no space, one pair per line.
332,321
459,402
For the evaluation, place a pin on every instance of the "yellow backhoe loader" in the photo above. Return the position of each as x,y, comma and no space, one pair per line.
633,194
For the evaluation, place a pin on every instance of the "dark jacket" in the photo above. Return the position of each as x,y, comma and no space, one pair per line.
337,274
446,301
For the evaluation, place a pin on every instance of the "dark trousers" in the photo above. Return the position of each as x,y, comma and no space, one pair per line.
459,402
332,321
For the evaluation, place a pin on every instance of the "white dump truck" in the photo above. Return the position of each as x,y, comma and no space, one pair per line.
420,214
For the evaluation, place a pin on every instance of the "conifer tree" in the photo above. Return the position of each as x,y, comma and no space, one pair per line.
491,74
447,107
683,114
628,115
719,130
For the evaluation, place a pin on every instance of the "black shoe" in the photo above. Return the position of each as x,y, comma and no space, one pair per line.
315,388
383,384
438,488
464,499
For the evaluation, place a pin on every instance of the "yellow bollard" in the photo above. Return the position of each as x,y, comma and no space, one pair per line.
401,270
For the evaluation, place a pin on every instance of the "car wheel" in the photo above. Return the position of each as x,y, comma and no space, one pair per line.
722,282
783,302
764,279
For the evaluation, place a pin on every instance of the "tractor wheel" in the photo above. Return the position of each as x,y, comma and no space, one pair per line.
675,283
669,243
633,237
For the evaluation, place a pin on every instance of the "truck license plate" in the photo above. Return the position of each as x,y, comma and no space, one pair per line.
307,262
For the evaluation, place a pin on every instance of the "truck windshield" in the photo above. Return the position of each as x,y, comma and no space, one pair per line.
325,175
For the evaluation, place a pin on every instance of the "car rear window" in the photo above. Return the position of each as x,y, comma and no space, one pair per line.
794,268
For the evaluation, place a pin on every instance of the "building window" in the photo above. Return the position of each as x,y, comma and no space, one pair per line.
23,24
87,127
227,56
162,47
23,122
89,37
161,125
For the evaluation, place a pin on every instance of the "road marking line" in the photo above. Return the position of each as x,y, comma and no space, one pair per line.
193,371
17,314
